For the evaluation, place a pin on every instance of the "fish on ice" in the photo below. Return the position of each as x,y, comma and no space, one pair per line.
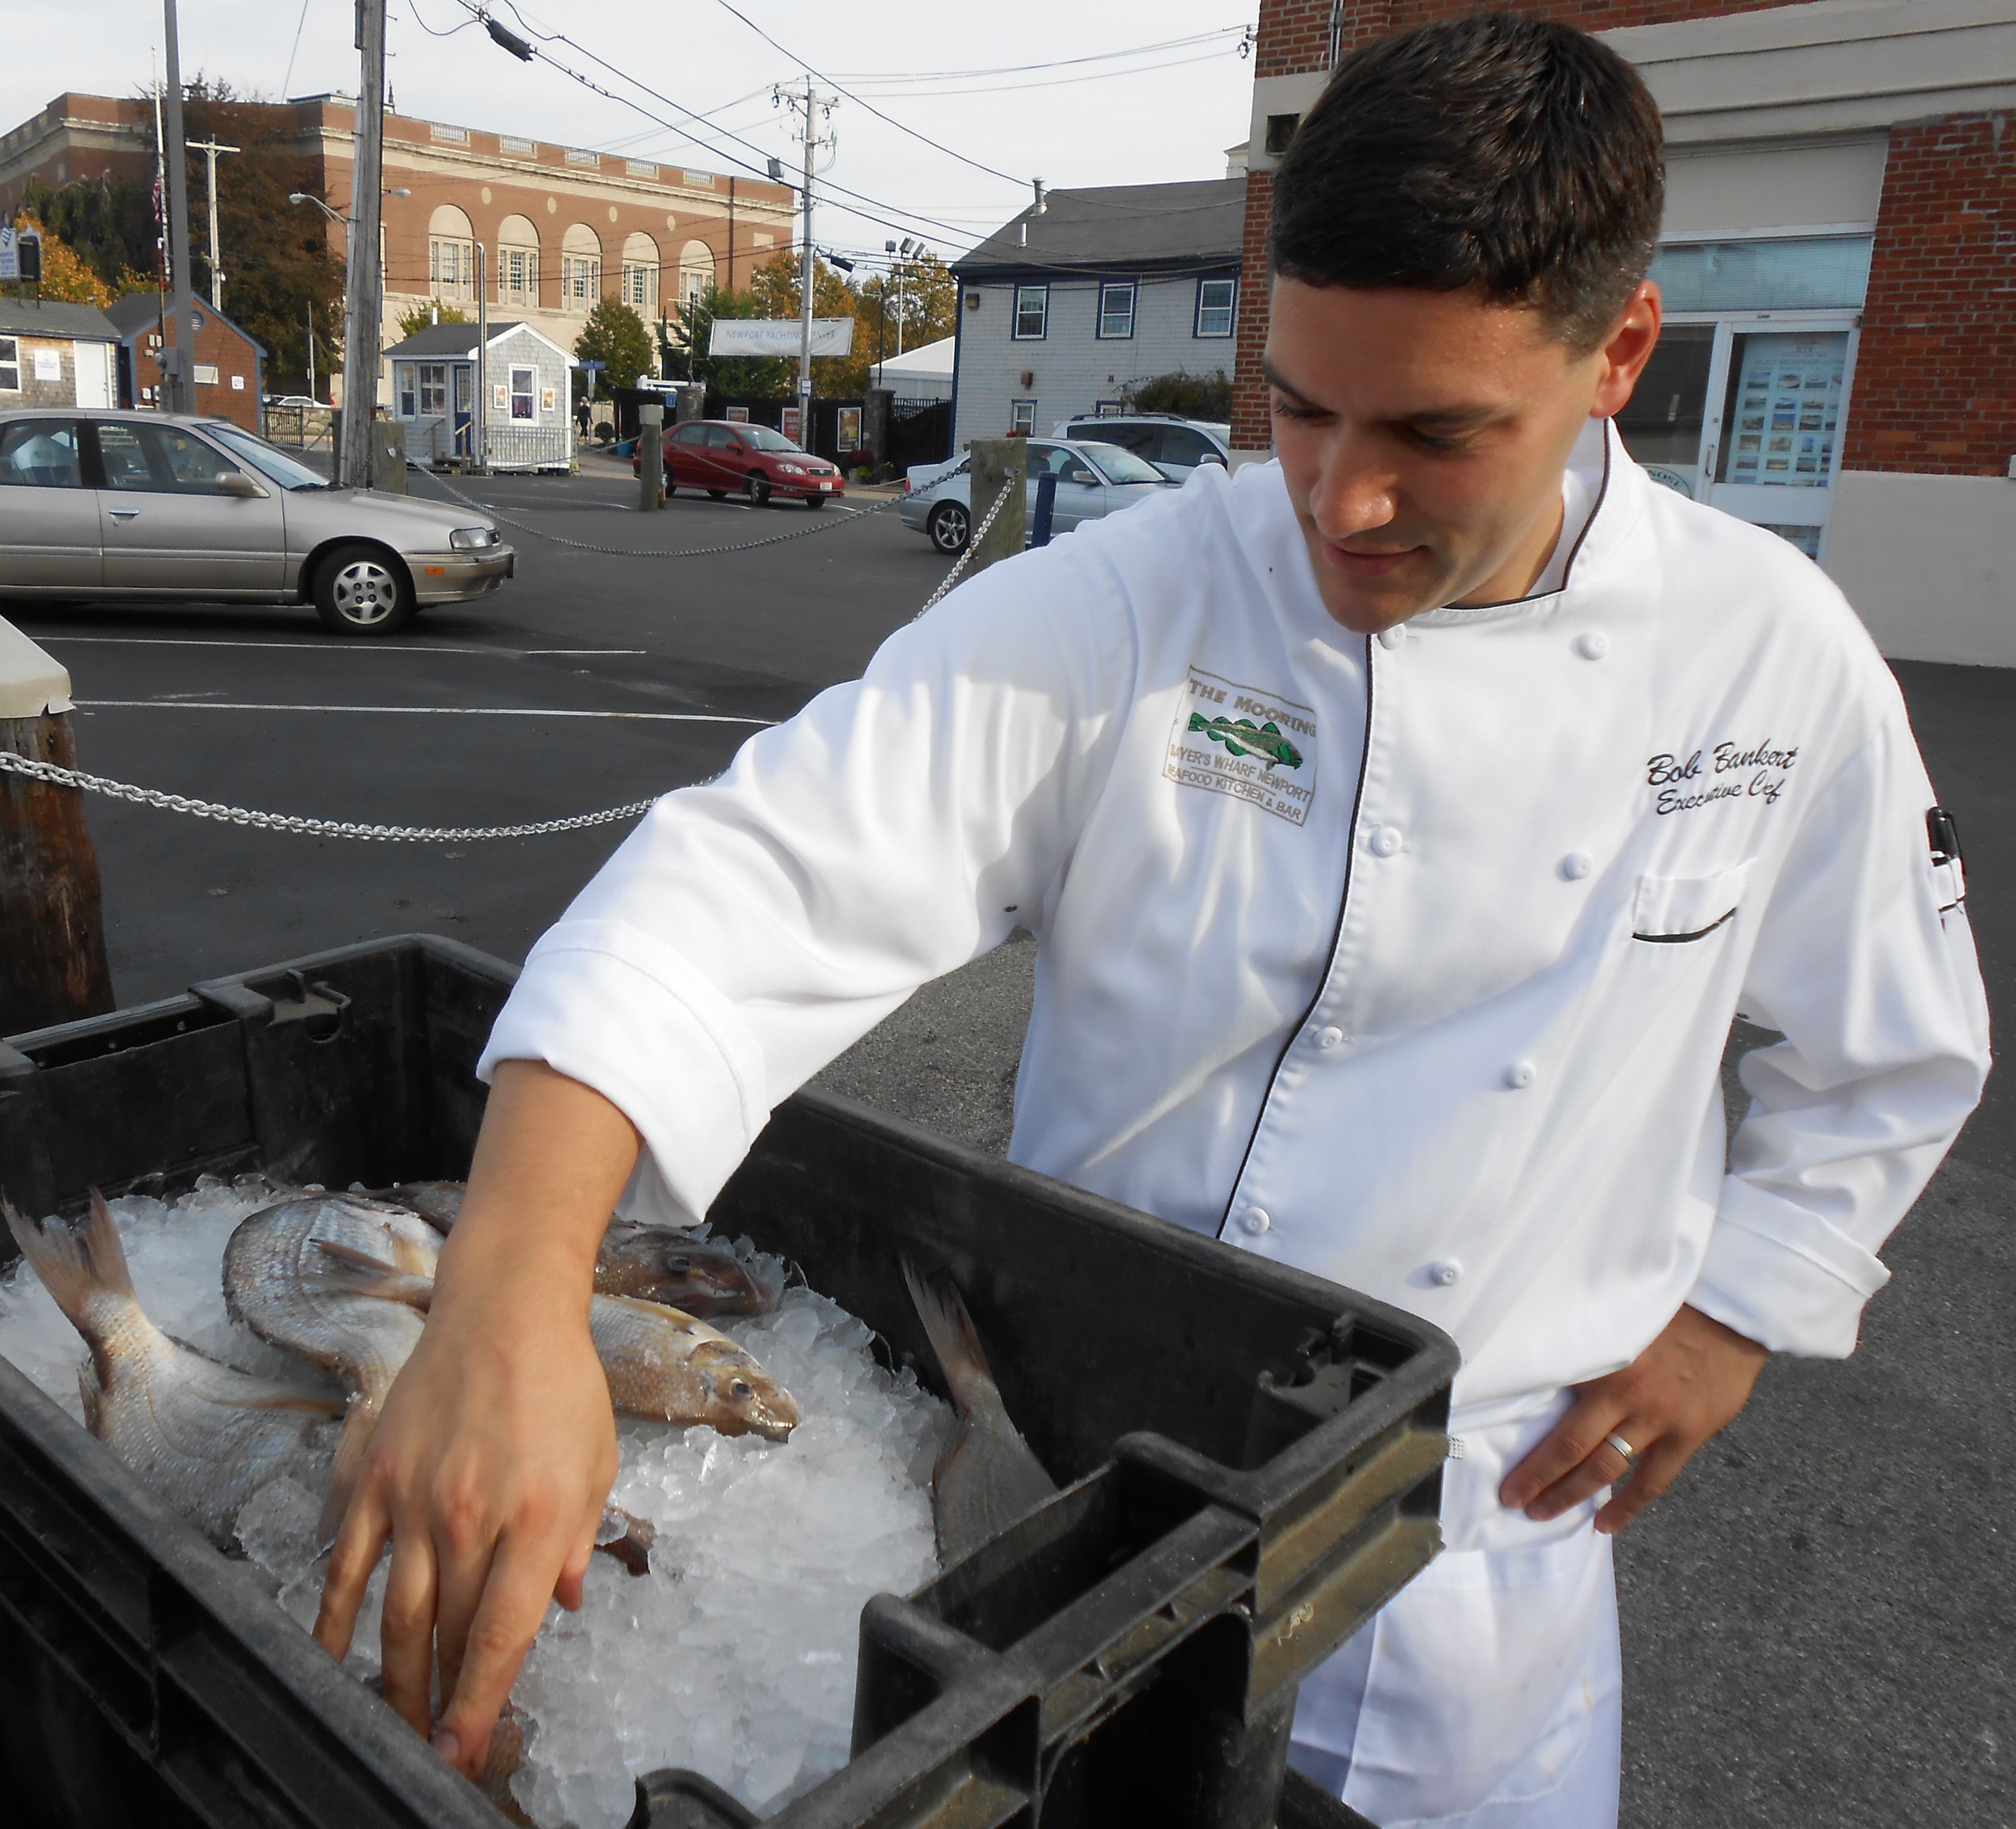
204,1436
661,1264
986,1476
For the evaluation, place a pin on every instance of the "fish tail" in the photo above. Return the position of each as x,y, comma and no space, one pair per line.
363,1274
1199,722
348,1468
943,1311
74,1263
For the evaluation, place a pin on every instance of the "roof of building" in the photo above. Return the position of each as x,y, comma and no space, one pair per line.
460,340
55,317
1121,228
928,361
139,310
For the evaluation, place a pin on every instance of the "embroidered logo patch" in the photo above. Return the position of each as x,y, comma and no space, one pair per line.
1237,740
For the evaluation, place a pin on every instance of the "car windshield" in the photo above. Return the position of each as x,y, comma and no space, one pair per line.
289,473
764,439
1122,466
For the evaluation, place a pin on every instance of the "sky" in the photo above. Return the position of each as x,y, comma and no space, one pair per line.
1121,92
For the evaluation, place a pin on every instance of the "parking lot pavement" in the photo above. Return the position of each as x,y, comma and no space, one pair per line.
1817,1620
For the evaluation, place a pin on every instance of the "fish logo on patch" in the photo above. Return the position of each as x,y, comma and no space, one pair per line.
1241,740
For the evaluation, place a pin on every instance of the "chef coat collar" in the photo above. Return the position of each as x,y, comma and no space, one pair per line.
1600,473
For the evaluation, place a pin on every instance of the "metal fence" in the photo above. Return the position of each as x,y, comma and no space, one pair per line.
302,428
525,448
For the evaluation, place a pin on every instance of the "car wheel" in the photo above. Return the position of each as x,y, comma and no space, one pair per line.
949,527
758,489
815,501
717,495
362,591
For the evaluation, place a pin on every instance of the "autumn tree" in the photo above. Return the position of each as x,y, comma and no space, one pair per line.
64,274
615,336
106,221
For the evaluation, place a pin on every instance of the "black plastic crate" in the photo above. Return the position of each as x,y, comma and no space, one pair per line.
1251,1456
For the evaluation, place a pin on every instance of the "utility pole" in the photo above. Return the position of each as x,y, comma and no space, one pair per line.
210,149
179,375
363,299
815,108
479,419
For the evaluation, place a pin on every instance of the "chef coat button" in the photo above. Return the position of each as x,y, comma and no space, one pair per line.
1256,1220
1576,866
1520,1074
1444,1271
1387,840
1330,1038
1391,638
1593,645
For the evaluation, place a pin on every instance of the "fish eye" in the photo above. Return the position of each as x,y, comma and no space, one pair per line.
741,1388
678,1266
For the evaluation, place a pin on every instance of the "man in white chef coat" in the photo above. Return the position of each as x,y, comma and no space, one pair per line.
1403,822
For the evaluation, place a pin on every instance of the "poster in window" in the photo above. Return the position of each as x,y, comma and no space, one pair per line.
791,422
1788,390
739,415
500,397
850,428
548,399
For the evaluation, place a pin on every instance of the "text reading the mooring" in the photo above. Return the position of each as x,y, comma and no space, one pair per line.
1724,771
1253,745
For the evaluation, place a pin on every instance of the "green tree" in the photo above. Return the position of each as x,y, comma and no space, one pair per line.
615,336
106,221
741,377
416,317
1193,396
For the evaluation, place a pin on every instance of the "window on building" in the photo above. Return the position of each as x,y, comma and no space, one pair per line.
1215,300
1805,272
1116,309
402,380
1022,417
451,267
640,289
580,281
517,276
522,397
1032,312
9,364
434,387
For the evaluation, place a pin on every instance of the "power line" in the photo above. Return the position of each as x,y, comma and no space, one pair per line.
1053,63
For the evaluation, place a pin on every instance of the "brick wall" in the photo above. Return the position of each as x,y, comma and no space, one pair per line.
1934,386
1251,431
218,345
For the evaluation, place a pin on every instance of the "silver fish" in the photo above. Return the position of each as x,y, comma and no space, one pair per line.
660,1362
661,1264
284,1281
986,1477
203,1436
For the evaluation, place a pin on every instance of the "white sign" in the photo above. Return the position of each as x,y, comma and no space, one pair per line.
780,336
48,365
9,255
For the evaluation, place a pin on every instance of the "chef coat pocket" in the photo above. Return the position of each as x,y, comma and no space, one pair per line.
1686,910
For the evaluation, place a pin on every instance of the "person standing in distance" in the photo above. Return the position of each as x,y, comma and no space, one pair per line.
1403,822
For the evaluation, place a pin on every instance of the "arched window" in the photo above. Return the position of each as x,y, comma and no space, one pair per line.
518,262
640,275
450,254
696,270
581,269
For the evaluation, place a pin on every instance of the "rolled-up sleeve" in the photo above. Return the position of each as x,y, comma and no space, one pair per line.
1866,964
754,927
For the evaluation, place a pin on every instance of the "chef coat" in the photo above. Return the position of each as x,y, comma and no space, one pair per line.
1409,960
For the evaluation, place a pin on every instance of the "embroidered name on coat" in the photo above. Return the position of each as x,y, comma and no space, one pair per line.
1253,745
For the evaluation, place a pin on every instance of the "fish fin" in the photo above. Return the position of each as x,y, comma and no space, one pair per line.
362,1274
92,1393
74,1263
348,1465
943,1311
308,1403
1235,747
1271,727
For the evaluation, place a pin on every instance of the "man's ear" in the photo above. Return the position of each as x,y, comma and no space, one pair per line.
1628,348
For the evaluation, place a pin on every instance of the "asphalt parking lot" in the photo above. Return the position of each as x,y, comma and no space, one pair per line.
1817,1622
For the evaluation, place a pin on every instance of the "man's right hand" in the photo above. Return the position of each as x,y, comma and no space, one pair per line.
489,1469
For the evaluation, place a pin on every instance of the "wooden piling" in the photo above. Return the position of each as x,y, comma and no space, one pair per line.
53,963
999,463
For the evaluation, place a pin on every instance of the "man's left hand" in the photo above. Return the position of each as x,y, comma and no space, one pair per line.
1687,1386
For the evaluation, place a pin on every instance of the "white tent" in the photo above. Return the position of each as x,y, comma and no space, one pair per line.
923,373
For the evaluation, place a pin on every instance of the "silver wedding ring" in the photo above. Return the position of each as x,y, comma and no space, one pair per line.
1623,1448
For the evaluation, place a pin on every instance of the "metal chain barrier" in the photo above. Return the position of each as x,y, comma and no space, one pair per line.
11,763
825,524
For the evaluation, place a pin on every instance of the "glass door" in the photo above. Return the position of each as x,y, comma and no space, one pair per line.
1746,411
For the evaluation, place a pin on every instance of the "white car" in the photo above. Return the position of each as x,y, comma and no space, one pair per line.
1093,479
1174,446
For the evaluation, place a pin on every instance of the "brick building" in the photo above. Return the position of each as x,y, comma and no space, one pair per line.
1840,359
554,228
230,366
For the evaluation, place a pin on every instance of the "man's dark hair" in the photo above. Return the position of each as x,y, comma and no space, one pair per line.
1514,155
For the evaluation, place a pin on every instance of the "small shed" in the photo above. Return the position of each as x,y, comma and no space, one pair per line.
54,353
527,423
230,366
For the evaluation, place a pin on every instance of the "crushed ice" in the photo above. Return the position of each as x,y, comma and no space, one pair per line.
735,1656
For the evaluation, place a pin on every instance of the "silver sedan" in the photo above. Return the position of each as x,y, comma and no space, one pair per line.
1093,479
161,506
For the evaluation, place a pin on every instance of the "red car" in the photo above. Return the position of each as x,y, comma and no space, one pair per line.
726,457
